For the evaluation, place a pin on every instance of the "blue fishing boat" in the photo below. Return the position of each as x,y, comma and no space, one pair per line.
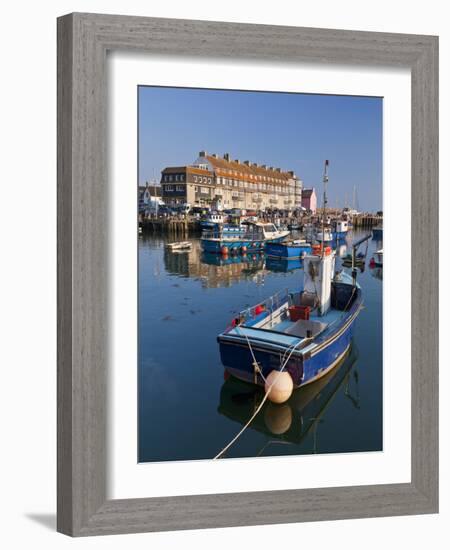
289,250
304,332
254,239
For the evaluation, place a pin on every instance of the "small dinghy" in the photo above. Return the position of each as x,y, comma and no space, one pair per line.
182,245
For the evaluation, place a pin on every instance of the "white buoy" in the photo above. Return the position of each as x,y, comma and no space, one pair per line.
280,385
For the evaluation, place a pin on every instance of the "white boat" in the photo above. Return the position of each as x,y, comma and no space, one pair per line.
182,245
269,231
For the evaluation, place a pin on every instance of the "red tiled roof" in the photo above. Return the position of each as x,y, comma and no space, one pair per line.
184,169
223,166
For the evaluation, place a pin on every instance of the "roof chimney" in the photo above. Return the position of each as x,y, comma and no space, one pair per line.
291,173
237,161
255,164
202,154
247,162
278,169
264,166
226,156
214,155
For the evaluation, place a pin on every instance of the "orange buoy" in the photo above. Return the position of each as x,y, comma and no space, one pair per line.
224,250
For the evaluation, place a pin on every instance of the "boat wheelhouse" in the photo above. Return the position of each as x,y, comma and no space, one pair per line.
324,235
341,229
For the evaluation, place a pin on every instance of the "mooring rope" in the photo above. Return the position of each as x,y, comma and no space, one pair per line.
260,406
255,362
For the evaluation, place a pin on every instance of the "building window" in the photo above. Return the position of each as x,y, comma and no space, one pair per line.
204,190
182,177
168,188
180,188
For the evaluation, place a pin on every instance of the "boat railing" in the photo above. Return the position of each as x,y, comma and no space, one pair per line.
265,308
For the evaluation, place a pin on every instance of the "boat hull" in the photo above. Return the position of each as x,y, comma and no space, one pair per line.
285,251
340,235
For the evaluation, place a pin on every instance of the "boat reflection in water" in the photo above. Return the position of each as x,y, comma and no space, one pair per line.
292,421
377,272
255,259
214,270
282,265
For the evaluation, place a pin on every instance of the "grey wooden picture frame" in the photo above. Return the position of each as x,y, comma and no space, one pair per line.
83,42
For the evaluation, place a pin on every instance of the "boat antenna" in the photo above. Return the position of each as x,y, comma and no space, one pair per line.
325,182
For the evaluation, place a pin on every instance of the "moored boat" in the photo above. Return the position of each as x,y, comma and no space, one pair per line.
181,245
254,238
289,250
305,332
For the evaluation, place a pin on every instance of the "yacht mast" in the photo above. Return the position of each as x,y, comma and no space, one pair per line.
325,182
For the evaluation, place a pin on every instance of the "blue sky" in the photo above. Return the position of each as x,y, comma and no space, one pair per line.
291,131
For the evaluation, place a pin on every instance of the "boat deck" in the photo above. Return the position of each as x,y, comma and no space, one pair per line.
286,331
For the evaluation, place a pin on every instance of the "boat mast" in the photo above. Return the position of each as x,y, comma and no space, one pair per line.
325,182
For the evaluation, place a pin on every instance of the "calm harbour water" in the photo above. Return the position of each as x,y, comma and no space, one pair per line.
189,410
